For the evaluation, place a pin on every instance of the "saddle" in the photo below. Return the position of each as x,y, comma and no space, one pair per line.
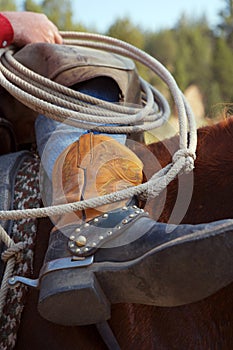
69,66
120,255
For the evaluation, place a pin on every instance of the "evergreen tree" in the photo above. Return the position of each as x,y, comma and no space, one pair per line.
8,5
30,5
162,46
223,69
214,100
193,64
124,29
59,12
226,22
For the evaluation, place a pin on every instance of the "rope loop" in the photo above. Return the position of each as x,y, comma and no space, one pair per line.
14,251
187,157
50,98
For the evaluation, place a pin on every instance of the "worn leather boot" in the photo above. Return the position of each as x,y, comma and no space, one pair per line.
116,253
93,166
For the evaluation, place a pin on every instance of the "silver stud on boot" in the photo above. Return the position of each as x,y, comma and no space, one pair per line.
81,241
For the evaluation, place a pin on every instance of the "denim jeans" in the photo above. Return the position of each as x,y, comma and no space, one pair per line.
53,137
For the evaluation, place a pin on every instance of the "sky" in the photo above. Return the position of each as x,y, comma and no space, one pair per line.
148,14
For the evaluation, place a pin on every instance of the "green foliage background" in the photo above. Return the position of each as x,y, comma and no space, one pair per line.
192,51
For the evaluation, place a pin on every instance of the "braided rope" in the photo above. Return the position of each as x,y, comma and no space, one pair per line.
64,99
10,259
43,97
10,256
152,188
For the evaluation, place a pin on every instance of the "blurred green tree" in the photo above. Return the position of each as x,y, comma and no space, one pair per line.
8,5
125,30
59,12
30,5
162,46
194,51
226,22
223,69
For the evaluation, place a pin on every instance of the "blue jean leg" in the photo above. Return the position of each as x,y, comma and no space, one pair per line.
53,137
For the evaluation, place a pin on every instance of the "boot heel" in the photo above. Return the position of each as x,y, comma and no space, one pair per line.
72,297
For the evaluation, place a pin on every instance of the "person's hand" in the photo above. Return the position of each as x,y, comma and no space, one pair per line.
31,27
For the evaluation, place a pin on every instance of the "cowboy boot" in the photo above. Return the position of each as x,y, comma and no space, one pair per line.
115,253
93,166
121,255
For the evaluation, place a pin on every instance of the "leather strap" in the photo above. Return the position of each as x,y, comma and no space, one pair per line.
107,335
6,128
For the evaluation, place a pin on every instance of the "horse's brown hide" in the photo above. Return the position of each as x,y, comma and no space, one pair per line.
213,189
205,325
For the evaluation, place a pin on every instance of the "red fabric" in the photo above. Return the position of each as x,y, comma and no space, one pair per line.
6,31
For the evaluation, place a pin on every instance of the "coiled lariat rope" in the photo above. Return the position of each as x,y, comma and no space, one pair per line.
66,105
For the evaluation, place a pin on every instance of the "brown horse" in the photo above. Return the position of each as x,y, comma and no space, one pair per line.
207,324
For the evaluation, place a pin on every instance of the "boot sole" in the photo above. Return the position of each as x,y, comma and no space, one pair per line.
182,271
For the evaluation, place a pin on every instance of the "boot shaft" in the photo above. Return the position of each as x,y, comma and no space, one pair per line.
94,166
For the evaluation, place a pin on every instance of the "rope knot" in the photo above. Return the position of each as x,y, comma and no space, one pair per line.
14,251
187,156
